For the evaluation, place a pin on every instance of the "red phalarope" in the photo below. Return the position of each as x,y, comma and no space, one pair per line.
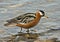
27,20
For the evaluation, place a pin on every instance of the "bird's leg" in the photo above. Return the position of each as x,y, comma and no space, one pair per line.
20,30
27,31
27,22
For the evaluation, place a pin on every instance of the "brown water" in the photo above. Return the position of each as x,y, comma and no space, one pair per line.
12,8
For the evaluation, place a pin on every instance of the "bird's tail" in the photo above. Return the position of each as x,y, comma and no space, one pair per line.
11,22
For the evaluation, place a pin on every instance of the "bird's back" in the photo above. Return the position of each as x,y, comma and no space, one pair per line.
25,18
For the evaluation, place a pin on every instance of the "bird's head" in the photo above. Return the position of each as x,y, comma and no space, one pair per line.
42,13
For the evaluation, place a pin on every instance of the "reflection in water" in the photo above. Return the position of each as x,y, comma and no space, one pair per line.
28,37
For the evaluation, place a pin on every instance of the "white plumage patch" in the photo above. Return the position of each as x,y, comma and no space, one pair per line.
40,13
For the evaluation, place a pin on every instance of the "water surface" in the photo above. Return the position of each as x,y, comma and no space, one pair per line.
12,8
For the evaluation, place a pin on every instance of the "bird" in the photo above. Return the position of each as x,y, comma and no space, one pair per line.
27,20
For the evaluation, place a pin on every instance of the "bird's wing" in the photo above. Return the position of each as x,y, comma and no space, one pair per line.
26,17
22,18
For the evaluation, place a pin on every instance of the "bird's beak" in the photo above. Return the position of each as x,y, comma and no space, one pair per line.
45,17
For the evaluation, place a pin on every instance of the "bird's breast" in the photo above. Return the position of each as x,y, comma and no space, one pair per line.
30,24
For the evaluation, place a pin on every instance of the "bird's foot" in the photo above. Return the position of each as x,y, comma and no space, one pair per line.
20,32
27,31
33,30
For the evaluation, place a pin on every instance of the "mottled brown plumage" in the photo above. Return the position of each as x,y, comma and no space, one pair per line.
27,20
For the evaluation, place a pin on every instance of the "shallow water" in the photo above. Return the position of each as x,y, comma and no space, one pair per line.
12,8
